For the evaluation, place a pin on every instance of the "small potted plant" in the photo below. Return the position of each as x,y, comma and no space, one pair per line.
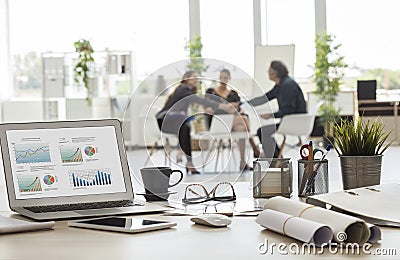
360,145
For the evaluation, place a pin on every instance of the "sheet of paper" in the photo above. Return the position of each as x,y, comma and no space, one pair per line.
345,228
295,227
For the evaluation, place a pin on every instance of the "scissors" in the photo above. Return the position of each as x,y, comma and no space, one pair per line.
304,152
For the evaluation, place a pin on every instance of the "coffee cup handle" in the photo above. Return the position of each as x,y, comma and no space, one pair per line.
180,179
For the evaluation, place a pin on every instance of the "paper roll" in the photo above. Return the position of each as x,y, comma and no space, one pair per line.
345,228
375,233
295,227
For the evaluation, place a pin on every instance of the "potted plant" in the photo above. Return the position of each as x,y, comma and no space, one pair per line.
82,67
329,72
360,146
196,63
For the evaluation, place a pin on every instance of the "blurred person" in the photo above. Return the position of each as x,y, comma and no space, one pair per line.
240,124
290,100
173,117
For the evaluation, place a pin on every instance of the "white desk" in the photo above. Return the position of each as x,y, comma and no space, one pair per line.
187,241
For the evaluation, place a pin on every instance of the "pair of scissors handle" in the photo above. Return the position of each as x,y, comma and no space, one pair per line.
316,151
304,152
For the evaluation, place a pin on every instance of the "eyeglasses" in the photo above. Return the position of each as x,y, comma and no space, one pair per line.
219,208
197,193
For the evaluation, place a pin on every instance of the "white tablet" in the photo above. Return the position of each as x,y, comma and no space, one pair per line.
122,224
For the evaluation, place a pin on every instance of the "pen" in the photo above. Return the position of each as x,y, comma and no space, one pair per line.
310,151
311,181
328,148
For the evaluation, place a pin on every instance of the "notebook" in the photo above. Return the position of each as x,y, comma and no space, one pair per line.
68,169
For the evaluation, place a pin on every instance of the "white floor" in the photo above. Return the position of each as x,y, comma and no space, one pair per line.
229,171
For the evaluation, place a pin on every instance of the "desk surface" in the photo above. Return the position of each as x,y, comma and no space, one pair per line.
186,241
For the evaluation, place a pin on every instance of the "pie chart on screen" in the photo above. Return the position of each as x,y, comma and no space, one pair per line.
49,179
90,150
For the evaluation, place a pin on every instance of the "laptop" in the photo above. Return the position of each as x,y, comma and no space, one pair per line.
68,169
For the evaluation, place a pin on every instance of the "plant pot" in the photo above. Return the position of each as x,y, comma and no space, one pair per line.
199,124
360,171
199,145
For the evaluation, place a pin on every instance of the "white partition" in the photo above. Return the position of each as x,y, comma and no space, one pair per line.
345,102
15,111
77,109
101,108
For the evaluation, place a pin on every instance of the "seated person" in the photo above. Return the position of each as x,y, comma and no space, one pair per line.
173,117
240,123
290,100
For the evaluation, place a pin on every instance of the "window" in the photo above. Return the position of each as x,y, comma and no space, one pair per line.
292,22
149,28
227,32
370,44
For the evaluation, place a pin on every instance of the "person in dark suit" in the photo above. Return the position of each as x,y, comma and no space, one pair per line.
290,100
223,93
173,117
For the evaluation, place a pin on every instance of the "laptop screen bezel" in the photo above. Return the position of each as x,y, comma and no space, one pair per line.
14,203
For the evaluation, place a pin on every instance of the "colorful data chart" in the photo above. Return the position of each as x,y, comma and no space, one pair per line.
49,179
86,178
32,153
90,150
70,154
29,184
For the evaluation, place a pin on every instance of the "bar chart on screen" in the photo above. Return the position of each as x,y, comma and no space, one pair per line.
90,178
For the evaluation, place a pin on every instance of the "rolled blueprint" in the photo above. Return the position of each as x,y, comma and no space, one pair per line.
345,228
299,228
375,233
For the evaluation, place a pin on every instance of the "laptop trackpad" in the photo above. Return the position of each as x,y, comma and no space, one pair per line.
97,211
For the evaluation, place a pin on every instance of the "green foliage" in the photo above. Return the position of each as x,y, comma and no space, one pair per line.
196,62
360,138
329,72
85,59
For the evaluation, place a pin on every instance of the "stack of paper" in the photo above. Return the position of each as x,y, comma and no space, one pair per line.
345,228
271,183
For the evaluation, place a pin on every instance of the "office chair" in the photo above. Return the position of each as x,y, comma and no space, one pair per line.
166,145
163,138
220,131
299,125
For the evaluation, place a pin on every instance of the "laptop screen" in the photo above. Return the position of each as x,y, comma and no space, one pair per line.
58,162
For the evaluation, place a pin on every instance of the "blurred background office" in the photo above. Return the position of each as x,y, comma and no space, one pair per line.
133,39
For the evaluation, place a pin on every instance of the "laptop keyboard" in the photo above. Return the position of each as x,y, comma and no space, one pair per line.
82,206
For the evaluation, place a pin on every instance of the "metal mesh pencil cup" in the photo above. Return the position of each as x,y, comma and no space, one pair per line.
272,177
312,177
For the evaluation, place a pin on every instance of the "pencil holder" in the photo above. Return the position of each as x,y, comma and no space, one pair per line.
272,177
312,177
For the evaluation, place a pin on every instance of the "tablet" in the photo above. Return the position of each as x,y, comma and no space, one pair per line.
122,224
